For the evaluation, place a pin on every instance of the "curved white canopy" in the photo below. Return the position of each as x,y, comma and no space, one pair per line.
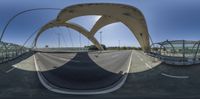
74,26
128,15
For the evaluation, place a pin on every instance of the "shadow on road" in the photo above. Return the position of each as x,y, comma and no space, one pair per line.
81,73
18,59
149,83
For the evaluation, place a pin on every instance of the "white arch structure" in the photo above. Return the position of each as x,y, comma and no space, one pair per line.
110,13
74,26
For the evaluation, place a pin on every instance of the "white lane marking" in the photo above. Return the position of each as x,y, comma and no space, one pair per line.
14,66
130,61
40,76
138,54
58,90
139,57
142,53
35,62
113,56
147,65
64,59
174,76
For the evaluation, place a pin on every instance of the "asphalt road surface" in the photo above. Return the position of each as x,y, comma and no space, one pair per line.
147,78
83,71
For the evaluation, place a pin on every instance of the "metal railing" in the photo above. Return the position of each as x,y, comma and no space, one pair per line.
9,51
178,52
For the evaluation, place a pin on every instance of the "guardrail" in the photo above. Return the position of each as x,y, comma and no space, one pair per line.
176,60
9,51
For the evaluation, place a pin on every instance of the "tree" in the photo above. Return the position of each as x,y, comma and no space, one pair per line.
93,47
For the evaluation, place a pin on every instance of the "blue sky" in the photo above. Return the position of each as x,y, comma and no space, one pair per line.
166,19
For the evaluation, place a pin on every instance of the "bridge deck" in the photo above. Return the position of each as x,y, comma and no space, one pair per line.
142,81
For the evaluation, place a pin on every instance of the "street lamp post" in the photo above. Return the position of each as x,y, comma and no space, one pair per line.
80,40
58,40
100,37
119,44
100,40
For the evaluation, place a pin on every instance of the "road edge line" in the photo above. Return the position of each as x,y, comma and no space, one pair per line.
53,88
173,76
11,69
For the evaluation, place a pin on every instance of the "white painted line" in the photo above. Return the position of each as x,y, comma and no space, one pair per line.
35,62
53,88
140,57
130,61
147,65
14,66
115,55
64,59
61,58
173,76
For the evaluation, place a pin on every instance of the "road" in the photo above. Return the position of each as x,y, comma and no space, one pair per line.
83,71
143,81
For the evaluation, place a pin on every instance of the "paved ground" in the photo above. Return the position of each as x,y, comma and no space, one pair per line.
146,79
83,71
